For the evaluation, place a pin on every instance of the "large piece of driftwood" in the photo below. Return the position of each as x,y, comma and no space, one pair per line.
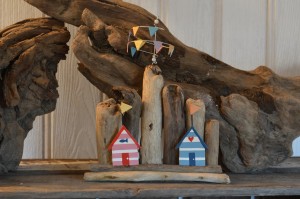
152,176
212,142
29,53
108,123
151,151
106,63
131,118
160,167
173,121
197,120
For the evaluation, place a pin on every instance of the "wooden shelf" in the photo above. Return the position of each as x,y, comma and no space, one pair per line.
61,179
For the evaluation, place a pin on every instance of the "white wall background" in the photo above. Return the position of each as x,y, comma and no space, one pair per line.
242,33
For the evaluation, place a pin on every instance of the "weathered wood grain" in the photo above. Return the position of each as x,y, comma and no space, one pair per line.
271,93
155,176
173,121
212,142
151,151
108,123
56,165
160,167
131,118
30,51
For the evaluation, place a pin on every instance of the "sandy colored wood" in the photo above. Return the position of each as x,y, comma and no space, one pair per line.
151,151
173,121
160,167
131,118
198,117
261,92
212,142
155,176
108,123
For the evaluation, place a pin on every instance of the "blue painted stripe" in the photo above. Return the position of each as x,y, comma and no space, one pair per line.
200,163
184,162
186,153
187,162
191,145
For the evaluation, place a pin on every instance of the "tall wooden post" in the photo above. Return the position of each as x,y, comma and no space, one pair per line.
131,118
151,151
108,123
198,117
212,142
174,121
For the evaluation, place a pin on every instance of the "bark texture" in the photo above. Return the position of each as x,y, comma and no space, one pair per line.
173,120
108,123
212,142
105,62
29,53
131,118
153,82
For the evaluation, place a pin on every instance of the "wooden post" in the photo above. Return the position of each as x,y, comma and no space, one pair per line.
198,117
174,121
151,151
212,142
108,123
131,118
144,176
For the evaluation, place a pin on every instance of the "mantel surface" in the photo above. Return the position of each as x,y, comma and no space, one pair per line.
46,183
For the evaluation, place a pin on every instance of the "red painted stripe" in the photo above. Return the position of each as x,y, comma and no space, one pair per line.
134,162
131,155
117,163
124,146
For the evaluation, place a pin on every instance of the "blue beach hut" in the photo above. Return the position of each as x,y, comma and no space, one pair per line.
191,149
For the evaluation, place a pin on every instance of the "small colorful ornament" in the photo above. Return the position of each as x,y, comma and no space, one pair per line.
191,146
191,149
137,44
124,147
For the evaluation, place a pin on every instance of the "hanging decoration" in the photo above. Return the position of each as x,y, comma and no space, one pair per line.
137,44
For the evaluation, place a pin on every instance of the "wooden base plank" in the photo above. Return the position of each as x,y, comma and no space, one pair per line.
155,176
56,165
159,167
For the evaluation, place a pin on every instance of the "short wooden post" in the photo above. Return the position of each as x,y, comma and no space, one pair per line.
212,142
198,117
131,118
151,151
174,121
108,123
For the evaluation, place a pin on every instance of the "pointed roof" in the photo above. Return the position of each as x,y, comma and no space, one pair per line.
196,133
118,135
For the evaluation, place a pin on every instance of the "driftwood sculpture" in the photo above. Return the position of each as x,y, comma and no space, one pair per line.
29,53
258,110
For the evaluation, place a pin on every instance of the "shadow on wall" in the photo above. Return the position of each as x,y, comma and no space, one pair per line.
296,147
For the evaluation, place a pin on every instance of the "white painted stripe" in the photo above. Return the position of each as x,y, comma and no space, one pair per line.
191,149
189,158
124,151
196,139
120,159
